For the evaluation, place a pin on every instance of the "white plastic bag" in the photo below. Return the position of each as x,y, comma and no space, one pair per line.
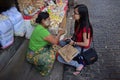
6,32
6,39
14,15
17,20
28,28
19,29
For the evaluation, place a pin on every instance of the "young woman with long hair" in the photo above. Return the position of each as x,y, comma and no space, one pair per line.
82,37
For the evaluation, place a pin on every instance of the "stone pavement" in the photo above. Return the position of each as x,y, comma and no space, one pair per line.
105,18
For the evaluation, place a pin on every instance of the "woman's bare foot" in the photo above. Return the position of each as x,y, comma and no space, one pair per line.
78,70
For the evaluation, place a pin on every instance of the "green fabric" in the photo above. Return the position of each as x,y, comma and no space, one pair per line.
37,38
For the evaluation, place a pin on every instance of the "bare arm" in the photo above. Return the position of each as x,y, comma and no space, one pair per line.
54,39
85,40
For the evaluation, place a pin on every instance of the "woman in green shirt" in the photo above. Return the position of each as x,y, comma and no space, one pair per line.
39,53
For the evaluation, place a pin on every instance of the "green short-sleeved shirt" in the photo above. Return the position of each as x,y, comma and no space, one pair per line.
37,38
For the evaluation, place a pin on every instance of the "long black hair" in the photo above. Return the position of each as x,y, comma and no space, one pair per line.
41,16
84,19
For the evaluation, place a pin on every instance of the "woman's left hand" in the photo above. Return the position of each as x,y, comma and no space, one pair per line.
71,42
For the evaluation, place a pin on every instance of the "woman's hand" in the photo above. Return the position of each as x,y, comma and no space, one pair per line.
61,31
71,42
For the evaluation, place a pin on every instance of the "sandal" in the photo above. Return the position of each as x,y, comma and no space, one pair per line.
78,70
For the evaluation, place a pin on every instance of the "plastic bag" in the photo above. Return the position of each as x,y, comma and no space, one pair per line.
19,29
28,28
6,32
14,15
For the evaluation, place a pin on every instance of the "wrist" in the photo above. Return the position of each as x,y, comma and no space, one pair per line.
58,34
74,43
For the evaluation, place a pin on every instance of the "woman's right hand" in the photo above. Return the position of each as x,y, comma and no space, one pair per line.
61,31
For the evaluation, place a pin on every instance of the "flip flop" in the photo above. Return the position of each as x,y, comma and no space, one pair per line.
77,71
